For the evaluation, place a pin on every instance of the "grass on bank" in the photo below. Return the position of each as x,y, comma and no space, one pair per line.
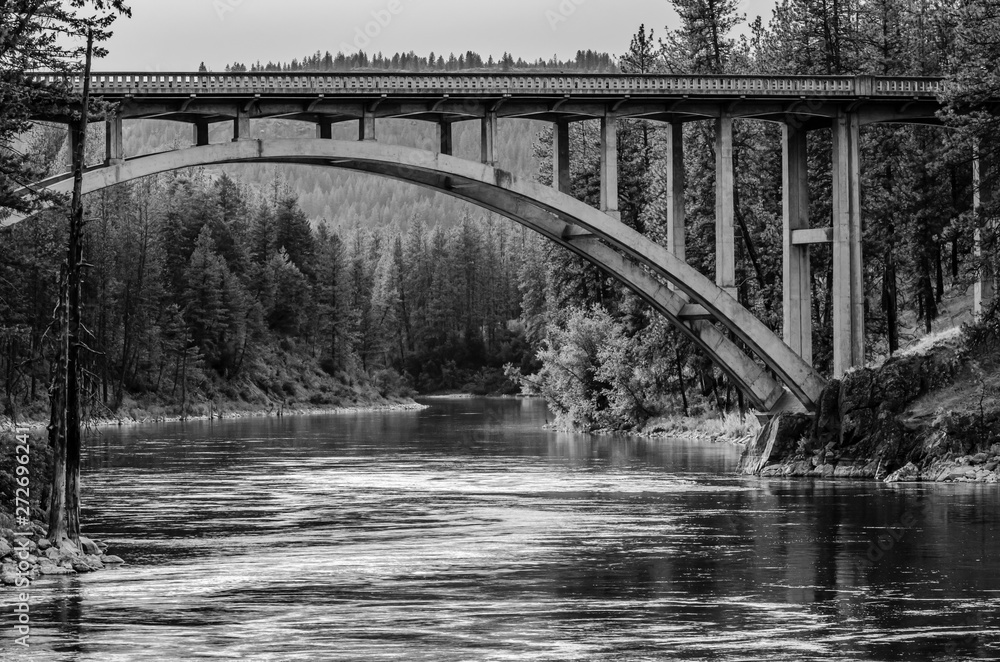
731,427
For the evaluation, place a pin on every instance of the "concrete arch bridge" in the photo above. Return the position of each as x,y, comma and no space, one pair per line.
774,374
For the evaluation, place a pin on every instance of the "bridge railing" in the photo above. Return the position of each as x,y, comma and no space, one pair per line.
514,84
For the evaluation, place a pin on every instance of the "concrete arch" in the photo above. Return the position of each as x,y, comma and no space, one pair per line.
630,257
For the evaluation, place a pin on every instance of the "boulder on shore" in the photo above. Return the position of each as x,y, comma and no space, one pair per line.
907,473
89,547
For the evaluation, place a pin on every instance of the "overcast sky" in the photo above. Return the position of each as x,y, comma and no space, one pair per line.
165,35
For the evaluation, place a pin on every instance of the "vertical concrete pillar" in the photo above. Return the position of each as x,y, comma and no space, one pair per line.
489,139
241,125
675,190
725,210
985,286
366,126
201,133
609,164
561,180
115,147
848,270
324,128
795,259
74,139
447,137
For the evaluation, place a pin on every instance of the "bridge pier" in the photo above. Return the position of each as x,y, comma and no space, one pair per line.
446,138
241,125
675,191
796,269
115,147
366,125
609,164
725,211
985,285
324,128
848,271
200,133
489,138
561,179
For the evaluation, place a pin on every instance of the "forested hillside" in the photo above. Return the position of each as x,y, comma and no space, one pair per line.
585,61
344,198
255,283
608,362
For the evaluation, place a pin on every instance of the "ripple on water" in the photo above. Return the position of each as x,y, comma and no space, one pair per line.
422,536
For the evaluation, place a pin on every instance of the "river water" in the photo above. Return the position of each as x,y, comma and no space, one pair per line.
467,532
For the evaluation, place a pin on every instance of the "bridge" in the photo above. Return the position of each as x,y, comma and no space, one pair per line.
771,371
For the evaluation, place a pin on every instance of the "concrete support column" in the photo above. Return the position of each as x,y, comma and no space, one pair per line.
324,128
725,210
985,286
609,165
675,190
447,137
561,179
489,139
796,272
241,126
115,147
74,139
366,126
848,270
201,133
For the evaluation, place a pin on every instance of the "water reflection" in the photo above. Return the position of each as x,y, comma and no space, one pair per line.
465,531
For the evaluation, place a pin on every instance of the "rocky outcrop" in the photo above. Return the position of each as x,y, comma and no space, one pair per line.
778,438
905,420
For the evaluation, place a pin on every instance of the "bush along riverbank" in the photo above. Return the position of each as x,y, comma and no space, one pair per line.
931,414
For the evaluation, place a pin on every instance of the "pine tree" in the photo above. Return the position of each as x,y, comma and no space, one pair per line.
702,43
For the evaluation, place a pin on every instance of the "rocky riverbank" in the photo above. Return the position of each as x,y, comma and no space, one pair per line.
204,414
32,555
932,415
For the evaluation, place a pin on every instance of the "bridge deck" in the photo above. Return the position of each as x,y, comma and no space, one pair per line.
535,84
190,96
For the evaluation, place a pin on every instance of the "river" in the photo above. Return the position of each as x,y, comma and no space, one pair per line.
465,531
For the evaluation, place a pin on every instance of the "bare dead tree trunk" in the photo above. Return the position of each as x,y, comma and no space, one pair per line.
680,378
64,423
57,426
74,286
